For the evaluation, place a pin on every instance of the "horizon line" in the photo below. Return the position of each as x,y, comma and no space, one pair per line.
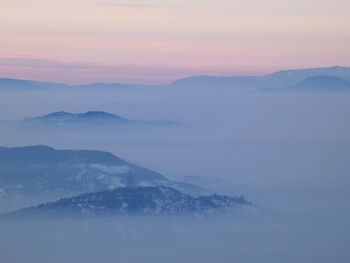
176,79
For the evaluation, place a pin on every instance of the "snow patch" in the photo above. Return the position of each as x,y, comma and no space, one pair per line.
111,169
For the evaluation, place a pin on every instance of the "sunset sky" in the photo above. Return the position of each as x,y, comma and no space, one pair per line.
157,41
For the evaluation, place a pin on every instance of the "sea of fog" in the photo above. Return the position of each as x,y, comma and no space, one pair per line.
288,153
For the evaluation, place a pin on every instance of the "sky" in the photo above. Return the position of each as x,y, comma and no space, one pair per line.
158,41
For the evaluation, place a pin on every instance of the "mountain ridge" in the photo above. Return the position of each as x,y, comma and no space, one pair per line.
44,171
96,118
285,78
68,116
158,200
322,83
279,79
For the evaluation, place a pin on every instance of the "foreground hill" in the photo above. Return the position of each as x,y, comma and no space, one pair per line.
42,171
131,201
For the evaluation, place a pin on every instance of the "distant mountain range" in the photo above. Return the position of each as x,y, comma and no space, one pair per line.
20,85
292,77
131,201
41,171
280,79
203,82
96,118
322,83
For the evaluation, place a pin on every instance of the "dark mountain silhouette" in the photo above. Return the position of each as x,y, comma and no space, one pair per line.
132,201
95,118
44,171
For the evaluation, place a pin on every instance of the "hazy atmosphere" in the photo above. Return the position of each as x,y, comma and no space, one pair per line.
156,41
173,131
